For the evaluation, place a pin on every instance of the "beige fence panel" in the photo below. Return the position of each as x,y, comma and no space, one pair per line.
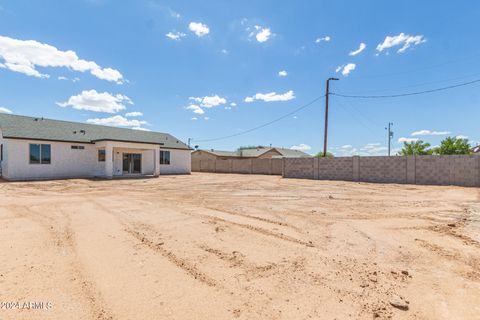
461,170
262,166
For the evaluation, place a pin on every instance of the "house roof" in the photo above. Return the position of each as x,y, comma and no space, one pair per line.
22,127
257,152
292,153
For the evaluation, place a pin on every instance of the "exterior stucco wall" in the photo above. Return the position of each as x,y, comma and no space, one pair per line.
3,142
65,161
83,163
180,162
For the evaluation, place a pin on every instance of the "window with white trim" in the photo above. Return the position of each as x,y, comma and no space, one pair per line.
164,157
40,153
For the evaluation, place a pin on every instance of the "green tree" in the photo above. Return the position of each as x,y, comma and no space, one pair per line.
452,145
415,148
320,155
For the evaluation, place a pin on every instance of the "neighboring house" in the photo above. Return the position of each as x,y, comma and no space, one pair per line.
37,148
258,152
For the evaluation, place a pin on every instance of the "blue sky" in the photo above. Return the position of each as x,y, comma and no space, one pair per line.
207,69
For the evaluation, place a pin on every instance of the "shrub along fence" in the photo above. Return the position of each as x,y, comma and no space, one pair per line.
461,170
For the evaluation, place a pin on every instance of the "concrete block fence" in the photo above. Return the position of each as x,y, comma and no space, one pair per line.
245,166
462,170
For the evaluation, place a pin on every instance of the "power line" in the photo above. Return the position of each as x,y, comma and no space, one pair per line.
405,94
423,84
265,124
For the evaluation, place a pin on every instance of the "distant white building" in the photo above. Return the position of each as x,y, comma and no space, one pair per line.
37,148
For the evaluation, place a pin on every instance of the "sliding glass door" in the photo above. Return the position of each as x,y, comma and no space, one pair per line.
132,163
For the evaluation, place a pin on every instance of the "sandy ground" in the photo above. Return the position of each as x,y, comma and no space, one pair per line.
211,246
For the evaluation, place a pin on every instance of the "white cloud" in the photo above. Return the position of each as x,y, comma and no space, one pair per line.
199,28
301,147
359,50
108,74
282,73
5,110
224,51
25,55
233,104
206,118
175,35
62,78
271,97
408,140
430,133
346,69
405,40
373,149
263,34
326,39
461,137
92,100
195,108
134,114
209,101
345,150
194,118
118,121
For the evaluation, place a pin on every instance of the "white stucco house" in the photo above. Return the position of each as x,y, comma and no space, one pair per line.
38,148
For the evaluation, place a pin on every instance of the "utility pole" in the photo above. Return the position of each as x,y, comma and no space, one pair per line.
325,137
390,136
189,139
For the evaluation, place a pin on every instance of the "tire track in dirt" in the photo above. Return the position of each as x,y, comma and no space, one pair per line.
245,215
190,269
262,231
145,236
473,263
64,237
236,259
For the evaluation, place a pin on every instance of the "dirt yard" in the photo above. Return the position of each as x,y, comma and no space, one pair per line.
213,246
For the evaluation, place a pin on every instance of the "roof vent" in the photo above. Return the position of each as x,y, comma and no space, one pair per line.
38,119
83,131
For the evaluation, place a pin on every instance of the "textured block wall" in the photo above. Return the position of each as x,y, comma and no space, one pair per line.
261,166
383,169
302,168
241,165
335,168
207,165
463,170
448,170
277,166
223,166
